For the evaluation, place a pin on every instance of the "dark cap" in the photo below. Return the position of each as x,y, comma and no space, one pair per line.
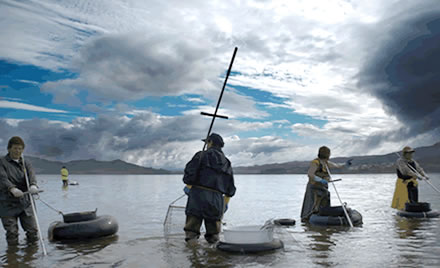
216,139
408,149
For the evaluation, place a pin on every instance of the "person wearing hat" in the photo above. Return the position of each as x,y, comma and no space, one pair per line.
14,203
317,195
406,184
209,185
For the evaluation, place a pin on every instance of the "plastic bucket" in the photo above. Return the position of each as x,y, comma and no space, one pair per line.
249,234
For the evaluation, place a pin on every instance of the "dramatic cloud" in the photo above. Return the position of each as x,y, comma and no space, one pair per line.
404,73
359,76
145,138
133,66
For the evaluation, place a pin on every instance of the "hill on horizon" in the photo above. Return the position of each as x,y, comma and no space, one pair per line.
427,156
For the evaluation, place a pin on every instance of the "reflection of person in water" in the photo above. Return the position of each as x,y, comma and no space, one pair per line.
409,230
321,241
406,228
20,257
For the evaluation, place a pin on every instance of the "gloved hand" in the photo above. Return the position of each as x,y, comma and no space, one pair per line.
186,190
16,192
33,189
348,162
426,177
321,180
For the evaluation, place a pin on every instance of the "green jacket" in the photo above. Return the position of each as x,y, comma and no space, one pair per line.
12,175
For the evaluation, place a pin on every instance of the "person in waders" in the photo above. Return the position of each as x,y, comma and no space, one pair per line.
15,204
209,185
65,176
406,184
317,195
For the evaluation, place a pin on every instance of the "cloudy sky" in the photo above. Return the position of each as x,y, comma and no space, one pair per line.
128,79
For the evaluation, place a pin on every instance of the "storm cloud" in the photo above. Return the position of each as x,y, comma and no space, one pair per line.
144,138
404,73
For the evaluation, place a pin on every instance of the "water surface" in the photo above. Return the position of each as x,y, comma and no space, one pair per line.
140,203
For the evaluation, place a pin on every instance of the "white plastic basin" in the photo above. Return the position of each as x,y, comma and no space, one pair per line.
249,234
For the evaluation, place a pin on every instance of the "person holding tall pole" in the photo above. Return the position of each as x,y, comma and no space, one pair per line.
209,181
17,183
212,185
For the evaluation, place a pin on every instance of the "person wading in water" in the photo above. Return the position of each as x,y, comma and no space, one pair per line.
317,195
210,185
406,184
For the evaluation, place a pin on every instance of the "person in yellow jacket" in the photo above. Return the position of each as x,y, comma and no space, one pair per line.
64,176
406,184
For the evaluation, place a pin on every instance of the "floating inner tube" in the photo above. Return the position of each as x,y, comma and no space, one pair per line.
286,222
427,214
418,207
355,217
79,216
101,226
250,248
331,211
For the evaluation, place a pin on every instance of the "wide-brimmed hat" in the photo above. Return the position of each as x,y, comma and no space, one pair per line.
408,149
216,139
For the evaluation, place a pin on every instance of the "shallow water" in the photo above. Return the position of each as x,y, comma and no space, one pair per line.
140,203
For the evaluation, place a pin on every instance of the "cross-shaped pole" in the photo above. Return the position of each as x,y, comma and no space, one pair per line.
215,115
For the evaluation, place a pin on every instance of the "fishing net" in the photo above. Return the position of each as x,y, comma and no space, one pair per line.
175,218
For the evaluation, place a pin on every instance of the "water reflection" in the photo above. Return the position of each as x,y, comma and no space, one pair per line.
322,242
20,256
205,255
407,228
383,241
87,246
418,243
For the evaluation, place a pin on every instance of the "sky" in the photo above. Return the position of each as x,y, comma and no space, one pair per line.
127,80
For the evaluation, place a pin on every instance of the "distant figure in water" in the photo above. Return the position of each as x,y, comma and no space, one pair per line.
14,202
317,195
210,185
64,176
406,184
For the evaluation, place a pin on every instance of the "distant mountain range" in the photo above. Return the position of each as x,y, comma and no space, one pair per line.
427,156
91,166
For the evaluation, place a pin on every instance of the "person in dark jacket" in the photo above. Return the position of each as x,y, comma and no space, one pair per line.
210,185
14,203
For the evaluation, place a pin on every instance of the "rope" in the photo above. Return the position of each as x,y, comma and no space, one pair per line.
49,206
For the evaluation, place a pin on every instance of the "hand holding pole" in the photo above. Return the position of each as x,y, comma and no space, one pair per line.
421,176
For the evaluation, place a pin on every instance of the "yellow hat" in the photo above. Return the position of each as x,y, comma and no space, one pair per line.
408,149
